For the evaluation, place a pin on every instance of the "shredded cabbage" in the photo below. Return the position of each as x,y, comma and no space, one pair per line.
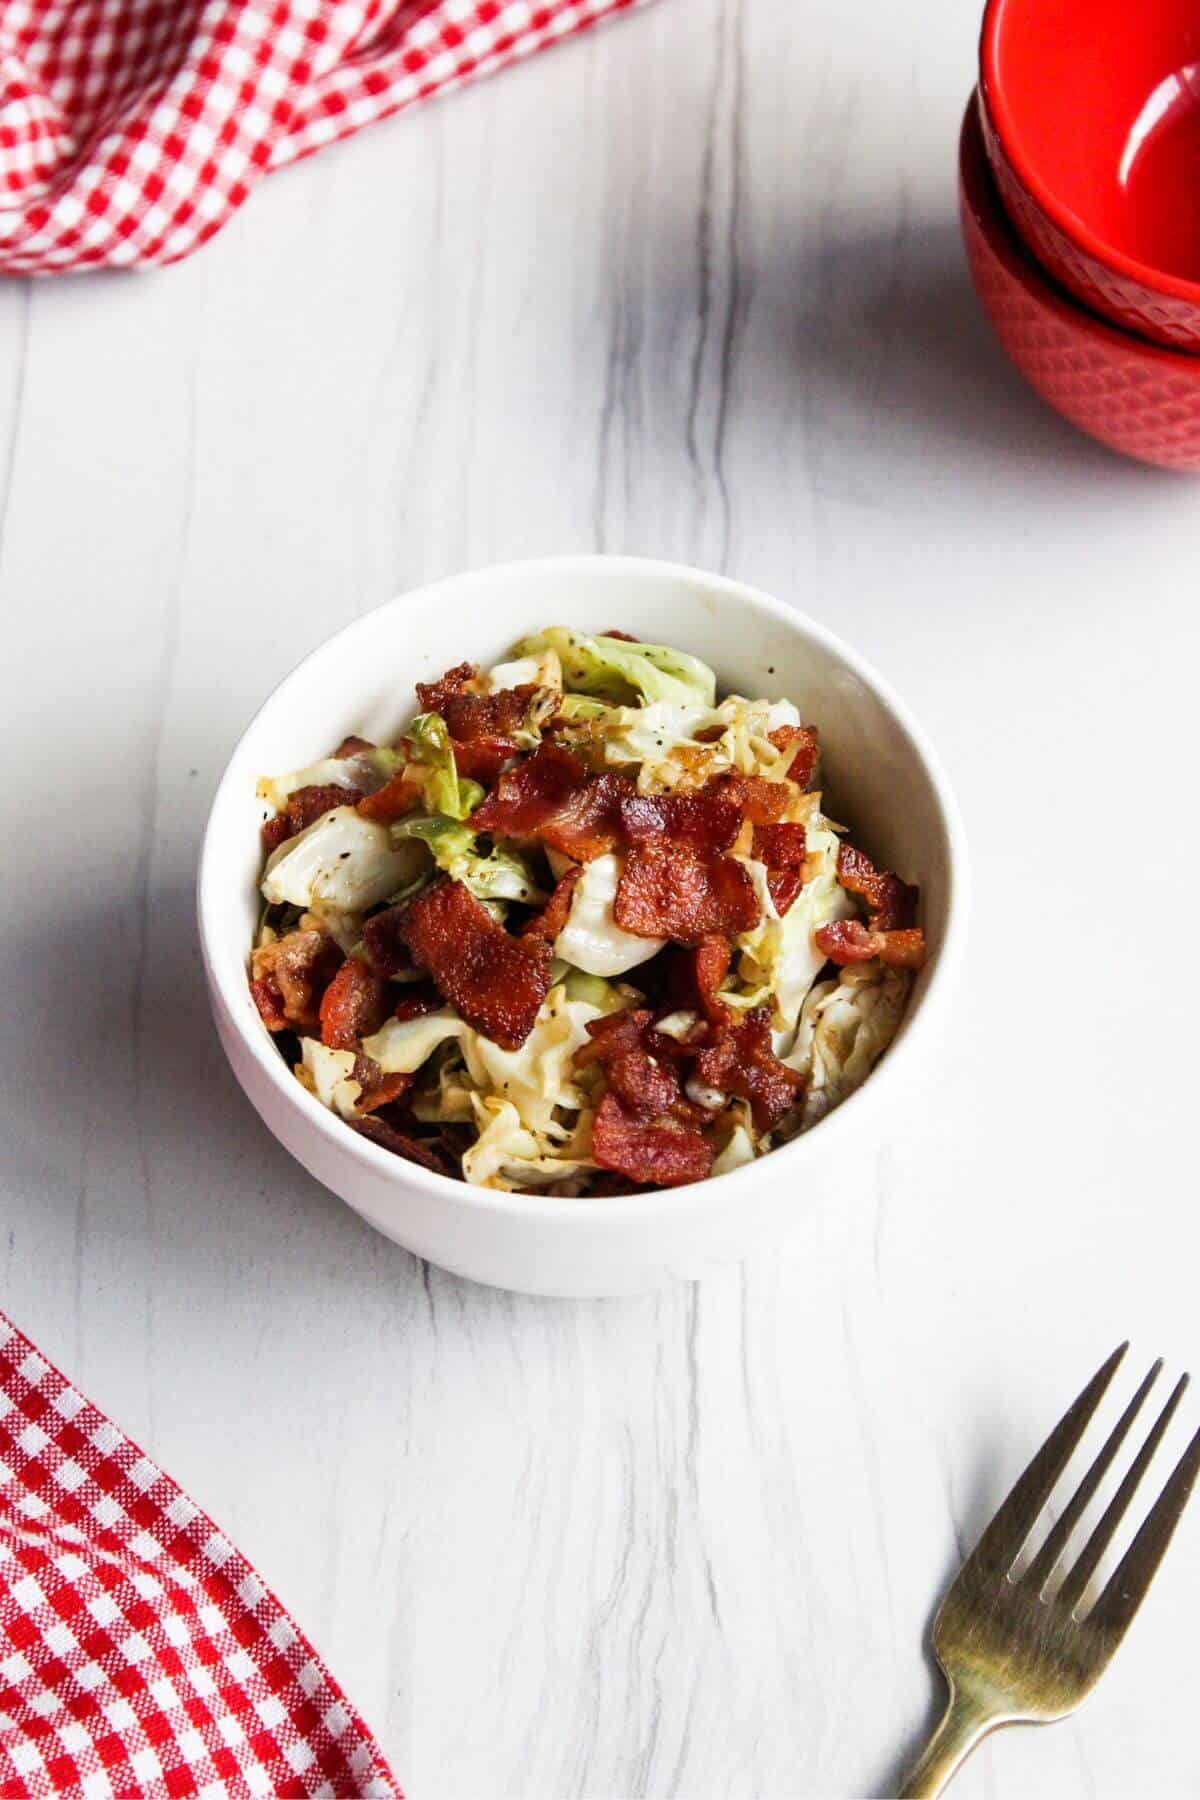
402,1045
445,790
591,939
342,861
508,1155
681,744
845,1026
364,771
544,671
780,959
536,1078
501,875
331,1074
738,1150
611,667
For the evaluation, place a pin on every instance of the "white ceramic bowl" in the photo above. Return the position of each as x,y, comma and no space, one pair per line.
883,780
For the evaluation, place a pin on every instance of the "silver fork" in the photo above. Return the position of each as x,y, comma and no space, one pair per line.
1011,1651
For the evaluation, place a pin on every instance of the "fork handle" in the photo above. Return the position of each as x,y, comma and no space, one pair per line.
965,1721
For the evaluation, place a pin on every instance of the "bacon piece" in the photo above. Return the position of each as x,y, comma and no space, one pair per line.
624,1044
352,746
644,1086
264,991
762,801
614,1035
354,1005
378,1089
707,819
481,759
551,797
544,927
433,695
668,891
804,739
289,977
304,808
694,976
400,795
496,982
662,1152
782,849
530,795
891,903
476,719
383,940
416,999
412,1149
850,941
742,1062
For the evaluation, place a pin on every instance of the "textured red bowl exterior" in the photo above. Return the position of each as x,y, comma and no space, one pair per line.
1055,105
1136,398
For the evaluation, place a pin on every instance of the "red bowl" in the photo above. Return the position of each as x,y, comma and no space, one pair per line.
1132,396
1091,114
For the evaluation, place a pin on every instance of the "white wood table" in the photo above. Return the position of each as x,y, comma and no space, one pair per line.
690,286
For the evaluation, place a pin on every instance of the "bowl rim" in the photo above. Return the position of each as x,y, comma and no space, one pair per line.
917,1020
979,189
1155,281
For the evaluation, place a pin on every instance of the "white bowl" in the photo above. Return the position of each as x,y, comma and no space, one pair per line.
883,779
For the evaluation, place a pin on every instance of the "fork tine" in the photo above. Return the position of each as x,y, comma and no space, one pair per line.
1077,1578
1126,1588
1046,1560
1001,1543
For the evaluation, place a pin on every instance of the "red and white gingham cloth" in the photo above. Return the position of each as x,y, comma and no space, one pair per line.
130,130
140,1655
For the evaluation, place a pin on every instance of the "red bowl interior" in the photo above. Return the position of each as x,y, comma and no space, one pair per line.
1097,104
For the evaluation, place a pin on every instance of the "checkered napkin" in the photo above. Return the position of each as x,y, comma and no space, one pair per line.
140,1655
130,130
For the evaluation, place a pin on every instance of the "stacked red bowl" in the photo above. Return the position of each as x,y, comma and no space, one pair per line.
1078,164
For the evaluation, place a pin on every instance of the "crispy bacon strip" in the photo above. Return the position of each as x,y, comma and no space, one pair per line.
383,940
354,1005
761,801
850,941
551,797
669,891
782,849
742,1062
378,1089
400,795
614,1035
264,991
623,1044
412,1149
303,809
708,819
804,739
531,794
480,725
662,1152
694,977
433,695
416,999
289,977
481,759
891,903
544,927
496,982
